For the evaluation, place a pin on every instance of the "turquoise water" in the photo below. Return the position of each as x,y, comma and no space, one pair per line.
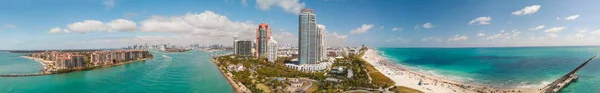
504,67
172,73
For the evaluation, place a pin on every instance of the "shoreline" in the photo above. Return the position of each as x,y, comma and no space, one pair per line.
406,77
45,63
236,87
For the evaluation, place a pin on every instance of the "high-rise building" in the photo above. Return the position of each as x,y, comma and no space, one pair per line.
307,37
263,35
244,48
322,48
272,56
235,39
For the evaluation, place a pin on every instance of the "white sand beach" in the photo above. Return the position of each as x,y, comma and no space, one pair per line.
429,83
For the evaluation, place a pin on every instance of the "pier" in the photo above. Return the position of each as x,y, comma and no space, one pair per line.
564,81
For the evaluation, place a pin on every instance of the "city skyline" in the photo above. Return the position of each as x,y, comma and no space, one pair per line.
73,24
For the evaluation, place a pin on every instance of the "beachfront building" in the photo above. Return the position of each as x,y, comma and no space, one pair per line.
321,48
76,60
310,67
235,39
308,37
272,55
244,48
99,58
263,35
68,60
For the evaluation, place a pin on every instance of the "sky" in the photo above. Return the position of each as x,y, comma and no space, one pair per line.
89,24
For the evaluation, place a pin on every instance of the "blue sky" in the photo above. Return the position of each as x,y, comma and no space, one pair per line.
83,24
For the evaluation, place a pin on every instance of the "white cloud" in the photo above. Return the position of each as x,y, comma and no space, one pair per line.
108,3
597,32
245,2
398,39
572,17
87,26
428,25
527,10
552,35
582,30
284,37
363,29
397,29
58,30
95,25
431,39
481,20
555,29
10,26
121,25
502,35
292,6
578,36
480,34
335,39
458,38
538,27
536,38
207,23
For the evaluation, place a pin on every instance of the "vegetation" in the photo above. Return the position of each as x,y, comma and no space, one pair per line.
260,75
401,89
260,72
378,78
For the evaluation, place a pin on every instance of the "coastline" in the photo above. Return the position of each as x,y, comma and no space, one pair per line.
237,88
45,63
429,83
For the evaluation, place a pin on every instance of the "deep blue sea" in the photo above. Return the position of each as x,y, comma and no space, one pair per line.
504,67
187,72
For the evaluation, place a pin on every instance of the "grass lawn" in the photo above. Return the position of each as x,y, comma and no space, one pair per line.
402,89
264,87
378,78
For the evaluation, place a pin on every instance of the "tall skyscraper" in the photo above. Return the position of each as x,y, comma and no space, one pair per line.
263,35
272,56
322,48
235,39
307,37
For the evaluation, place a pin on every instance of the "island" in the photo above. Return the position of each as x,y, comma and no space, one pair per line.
55,62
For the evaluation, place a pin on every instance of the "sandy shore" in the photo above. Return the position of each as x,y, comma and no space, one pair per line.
42,61
429,83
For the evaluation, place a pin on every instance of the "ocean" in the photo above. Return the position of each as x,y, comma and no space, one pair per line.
187,72
527,67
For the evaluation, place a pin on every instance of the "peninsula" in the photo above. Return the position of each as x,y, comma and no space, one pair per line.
61,62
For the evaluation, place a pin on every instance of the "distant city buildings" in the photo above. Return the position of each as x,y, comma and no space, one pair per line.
263,35
272,55
244,48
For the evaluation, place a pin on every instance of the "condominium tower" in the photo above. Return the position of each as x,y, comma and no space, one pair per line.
272,54
263,35
309,38
322,48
